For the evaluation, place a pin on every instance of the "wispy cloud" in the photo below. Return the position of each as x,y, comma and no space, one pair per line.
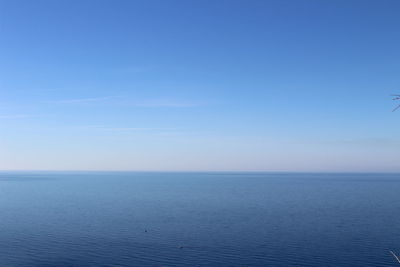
365,142
121,132
131,101
82,100
165,103
15,116
128,129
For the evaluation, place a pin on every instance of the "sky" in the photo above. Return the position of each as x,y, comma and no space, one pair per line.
201,85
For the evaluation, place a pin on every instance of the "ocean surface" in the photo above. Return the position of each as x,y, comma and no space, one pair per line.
198,219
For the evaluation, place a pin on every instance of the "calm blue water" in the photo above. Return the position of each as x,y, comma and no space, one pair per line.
198,219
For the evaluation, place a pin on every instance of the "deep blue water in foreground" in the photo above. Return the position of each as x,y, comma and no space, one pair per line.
198,219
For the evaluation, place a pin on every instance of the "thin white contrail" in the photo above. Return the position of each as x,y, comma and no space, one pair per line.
395,256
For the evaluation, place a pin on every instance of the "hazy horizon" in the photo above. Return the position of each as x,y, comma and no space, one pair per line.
292,86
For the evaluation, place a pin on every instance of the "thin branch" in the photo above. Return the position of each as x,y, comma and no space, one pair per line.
397,97
395,256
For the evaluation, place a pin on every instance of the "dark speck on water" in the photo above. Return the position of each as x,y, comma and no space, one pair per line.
226,219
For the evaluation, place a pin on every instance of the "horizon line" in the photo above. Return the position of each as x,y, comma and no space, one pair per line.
208,171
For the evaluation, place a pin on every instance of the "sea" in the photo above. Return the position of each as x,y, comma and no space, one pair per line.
199,219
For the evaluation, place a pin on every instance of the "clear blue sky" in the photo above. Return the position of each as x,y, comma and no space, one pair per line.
282,85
